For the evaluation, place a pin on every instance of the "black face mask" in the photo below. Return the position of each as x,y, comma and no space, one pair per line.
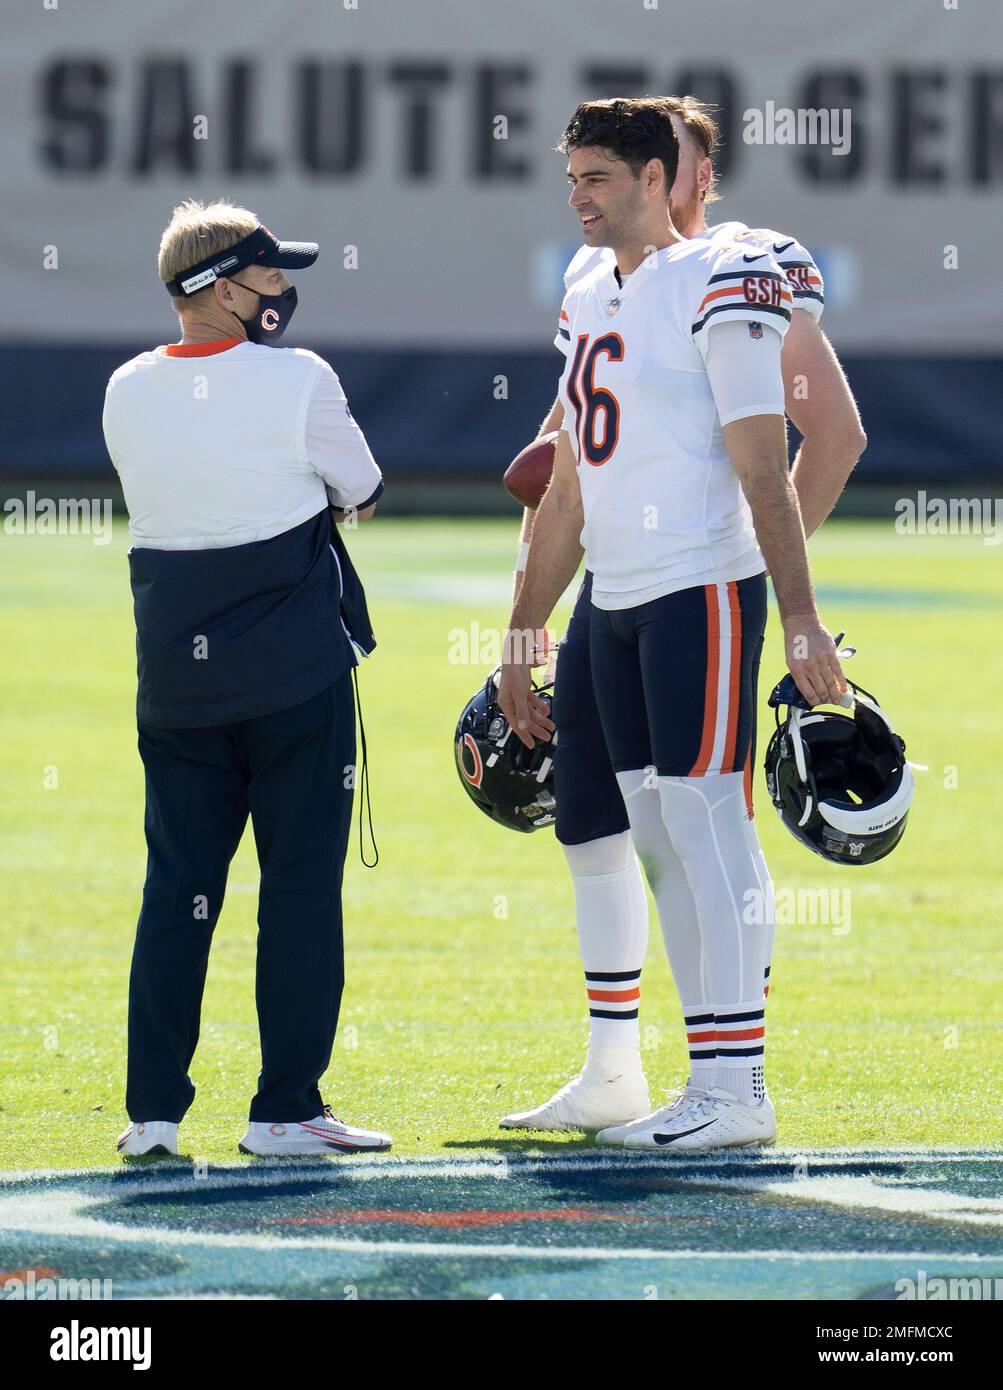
271,318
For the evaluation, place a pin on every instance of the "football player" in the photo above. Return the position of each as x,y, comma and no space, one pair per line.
661,434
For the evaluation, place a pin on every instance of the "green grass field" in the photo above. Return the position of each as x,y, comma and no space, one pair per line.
464,996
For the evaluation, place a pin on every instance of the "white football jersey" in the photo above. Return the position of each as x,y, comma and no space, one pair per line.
803,275
664,509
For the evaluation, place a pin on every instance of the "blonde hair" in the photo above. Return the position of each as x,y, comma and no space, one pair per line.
197,231
702,129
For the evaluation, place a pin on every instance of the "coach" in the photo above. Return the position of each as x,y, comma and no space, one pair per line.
237,460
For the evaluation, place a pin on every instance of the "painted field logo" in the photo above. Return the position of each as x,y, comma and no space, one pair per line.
76,1343
571,1226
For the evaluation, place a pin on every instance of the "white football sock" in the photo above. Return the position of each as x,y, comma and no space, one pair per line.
707,824
696,843
741,1033
611,911
746,1084
677,915
768,899
707,821
701,1043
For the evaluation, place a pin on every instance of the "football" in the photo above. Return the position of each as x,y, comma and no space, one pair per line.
528,474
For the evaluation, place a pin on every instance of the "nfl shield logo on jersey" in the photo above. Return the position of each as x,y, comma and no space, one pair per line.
613,305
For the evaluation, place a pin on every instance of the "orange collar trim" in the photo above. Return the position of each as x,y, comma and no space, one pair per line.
201,349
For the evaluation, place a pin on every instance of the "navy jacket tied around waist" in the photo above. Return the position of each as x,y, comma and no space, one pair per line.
238,632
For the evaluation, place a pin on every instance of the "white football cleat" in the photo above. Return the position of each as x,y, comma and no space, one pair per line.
149,1137
616,1135
609,1090
710,1120
324,1135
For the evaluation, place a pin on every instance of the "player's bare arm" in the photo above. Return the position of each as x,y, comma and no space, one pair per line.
819,403
757,446
552,423
554,420
555,552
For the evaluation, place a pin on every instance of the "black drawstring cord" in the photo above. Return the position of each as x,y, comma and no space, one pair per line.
364,782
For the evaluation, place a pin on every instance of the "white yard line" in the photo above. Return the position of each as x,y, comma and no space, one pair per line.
363,1167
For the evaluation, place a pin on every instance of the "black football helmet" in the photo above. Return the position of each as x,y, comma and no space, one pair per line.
840,783
511,783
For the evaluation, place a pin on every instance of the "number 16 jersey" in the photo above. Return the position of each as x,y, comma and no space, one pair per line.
663,506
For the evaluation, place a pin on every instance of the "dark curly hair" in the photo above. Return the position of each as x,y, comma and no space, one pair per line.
634,129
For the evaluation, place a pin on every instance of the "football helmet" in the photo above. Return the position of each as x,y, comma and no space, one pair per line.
511,783
840,783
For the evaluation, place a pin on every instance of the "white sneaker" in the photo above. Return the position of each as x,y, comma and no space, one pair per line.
149,1137
710,1120
324,1135
616,1135
609,1090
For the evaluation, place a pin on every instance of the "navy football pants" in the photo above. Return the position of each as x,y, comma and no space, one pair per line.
288,772
654,674
675,679
589,804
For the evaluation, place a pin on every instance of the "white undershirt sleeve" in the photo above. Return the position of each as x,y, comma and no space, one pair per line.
336,448
744,371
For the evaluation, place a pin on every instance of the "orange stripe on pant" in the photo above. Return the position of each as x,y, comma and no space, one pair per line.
699,768
734,683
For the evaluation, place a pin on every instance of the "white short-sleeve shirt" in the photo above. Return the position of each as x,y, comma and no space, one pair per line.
221,444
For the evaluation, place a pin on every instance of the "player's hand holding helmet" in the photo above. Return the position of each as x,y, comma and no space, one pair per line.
813,660
511,783
840,782
527,713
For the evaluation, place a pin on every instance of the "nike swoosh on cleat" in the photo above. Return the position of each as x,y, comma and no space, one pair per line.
777,250
343,1147
754,258
668,1138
